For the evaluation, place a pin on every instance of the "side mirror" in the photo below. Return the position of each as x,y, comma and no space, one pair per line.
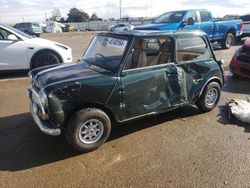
12,37
190,21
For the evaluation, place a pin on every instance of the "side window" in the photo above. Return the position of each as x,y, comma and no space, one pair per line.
150,52
205,16
4,34
193,15
192,49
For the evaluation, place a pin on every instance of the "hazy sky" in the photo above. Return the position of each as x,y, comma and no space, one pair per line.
12,11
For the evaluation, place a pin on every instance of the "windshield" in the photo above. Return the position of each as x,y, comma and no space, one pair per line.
170,17
105,52
18,32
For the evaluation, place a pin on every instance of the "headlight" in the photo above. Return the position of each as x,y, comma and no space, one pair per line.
43,98
61,46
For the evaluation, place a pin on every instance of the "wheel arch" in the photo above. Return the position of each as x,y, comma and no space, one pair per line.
45,50
231,30
213,79
91,105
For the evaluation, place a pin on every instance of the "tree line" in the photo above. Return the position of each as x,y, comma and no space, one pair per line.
74,15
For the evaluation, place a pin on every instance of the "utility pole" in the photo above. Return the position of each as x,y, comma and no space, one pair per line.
120,9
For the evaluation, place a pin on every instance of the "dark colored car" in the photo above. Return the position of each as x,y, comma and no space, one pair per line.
240,63
124,76
29,28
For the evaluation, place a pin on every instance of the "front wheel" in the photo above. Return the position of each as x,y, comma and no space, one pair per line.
88,129
210,97
44,59
228,41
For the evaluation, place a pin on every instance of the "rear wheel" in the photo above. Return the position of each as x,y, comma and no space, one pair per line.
44,59
210,97
88,129
228,41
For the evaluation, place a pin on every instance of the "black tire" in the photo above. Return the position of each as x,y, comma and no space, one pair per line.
1,36
228,41
44,59
204,103
37,35
81,122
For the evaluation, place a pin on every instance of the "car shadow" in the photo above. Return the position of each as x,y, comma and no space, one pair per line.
13,74
225,119
24,146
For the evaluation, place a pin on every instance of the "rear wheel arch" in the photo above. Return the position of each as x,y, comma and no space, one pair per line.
231,30
230,33
44,51
213,79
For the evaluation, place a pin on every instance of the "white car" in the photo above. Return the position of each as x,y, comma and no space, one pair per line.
121,27
20,51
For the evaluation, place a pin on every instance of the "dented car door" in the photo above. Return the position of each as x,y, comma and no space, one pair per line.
149,89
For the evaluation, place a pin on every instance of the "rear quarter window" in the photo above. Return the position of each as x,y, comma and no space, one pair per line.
192,49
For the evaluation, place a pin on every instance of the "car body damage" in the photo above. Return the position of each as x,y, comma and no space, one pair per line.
129,75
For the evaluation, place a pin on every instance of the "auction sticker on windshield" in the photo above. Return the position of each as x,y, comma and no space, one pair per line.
115,43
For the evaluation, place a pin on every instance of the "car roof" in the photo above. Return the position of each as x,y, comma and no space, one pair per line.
149,33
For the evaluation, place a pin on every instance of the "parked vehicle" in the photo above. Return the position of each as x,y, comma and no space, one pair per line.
121,27
124,76
246,25
224,32
29,28
240,63
21,51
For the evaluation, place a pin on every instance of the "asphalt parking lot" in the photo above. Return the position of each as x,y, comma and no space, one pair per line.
182,148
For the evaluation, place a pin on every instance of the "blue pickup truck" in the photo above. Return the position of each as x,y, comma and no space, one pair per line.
224,32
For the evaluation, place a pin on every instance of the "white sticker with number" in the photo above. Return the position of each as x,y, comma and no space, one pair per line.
115,43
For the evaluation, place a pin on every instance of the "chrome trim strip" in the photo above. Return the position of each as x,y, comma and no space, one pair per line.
214,77
42,126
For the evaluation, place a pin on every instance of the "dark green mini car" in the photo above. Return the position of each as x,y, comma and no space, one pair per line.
121,77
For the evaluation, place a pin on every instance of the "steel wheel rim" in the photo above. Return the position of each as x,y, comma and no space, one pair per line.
91,131
212,96
229,41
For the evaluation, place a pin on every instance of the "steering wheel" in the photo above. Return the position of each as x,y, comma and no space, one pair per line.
100,55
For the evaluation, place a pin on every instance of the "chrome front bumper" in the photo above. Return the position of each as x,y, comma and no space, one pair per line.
34,100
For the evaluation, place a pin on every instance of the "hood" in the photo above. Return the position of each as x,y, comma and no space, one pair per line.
66,72
165,26
37,40
45,43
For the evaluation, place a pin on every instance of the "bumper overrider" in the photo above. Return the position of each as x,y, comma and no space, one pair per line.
38,113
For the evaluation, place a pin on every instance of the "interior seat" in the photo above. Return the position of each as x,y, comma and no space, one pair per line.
139,56
164,55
